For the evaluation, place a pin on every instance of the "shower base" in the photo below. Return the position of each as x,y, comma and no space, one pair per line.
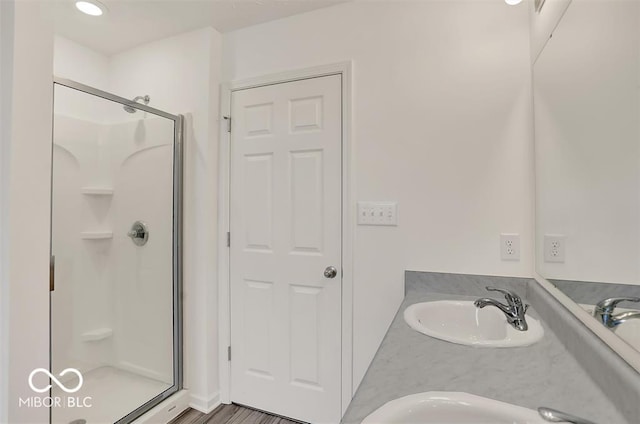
114,393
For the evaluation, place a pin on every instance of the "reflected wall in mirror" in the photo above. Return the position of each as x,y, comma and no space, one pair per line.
587,135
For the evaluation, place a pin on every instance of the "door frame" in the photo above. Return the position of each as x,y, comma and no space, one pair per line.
344,69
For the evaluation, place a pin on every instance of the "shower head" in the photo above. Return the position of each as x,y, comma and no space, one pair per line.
132,109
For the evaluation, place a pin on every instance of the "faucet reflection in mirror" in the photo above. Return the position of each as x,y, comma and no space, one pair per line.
605,308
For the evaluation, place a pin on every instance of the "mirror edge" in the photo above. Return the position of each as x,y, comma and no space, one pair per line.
615,343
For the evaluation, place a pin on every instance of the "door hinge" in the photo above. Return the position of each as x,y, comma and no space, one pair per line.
52,273
228,239
228,119
229,353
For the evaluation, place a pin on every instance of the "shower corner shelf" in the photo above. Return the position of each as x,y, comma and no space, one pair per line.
97,334
97,191
96,235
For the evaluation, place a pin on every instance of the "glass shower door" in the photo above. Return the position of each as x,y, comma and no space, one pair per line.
115,307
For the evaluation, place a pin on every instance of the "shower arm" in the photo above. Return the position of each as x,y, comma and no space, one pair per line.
146,99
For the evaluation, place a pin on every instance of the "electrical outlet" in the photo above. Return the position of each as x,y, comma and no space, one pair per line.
554,248
510,247
378,213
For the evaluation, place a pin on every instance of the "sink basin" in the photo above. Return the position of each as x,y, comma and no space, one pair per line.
630,332
451,408
461,322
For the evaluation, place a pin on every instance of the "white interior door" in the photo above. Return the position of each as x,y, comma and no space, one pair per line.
286,208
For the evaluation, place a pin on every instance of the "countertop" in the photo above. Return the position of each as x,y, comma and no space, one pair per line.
543,374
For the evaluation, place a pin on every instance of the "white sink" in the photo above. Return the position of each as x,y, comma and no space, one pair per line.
451,408
461,322
629,332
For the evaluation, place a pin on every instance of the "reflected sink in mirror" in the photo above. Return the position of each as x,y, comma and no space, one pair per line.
628,331
451,408
461,322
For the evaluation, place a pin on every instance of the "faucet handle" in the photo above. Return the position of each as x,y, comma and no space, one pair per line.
512,297
555,416
608,305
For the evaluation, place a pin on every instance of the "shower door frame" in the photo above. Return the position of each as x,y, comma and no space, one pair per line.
178,139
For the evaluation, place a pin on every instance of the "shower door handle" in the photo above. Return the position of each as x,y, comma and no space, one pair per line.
52,273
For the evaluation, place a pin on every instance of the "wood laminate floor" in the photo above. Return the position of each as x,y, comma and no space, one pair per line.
230,414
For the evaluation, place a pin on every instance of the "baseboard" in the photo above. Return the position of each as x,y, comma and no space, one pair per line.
166,410
205,405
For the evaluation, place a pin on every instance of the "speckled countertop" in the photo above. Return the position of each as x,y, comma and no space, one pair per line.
543,374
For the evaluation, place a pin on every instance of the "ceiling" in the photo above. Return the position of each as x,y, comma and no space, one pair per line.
129,23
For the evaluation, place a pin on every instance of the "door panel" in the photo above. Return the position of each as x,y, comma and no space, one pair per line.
258,304
307,203
286,208
258,202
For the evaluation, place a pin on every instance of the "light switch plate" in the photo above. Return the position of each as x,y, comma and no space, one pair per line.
378,213
554,248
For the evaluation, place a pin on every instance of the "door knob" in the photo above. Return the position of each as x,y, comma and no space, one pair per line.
330,272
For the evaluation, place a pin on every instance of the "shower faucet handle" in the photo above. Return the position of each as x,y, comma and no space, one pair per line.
139,233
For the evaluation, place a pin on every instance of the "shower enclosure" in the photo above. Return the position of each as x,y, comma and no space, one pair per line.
115,249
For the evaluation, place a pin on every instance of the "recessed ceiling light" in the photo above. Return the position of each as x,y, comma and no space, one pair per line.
513,2
92,8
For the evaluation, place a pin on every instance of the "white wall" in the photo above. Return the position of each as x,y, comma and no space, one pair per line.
28,198
587,106
544,22
76,62
181,74
441,123
79,63
6,71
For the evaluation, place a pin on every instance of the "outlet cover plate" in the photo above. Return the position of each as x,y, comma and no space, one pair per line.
554,248
510,247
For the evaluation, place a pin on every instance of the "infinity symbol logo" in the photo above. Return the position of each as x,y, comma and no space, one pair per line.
55,380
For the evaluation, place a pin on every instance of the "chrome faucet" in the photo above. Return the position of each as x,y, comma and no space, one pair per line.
514,309
605,308
555,416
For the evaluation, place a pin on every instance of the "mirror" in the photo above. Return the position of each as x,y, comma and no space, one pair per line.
587,140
